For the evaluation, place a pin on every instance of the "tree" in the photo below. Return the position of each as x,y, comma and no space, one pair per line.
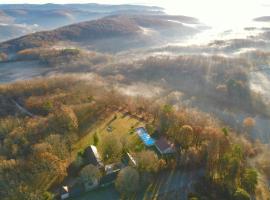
162,164
58,145
249,123
16,143
78,161
127,181
185,137
165,118
237,90
48,164
47,106
147,161
111,147
41,148
150,128
193,198
7,125
192,157
47,196
63,121
96,139
225,131
167,108
241,194
90,174
250,180
39,106
230,167
3,56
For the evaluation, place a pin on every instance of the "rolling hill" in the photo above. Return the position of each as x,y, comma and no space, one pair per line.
51,16
131,30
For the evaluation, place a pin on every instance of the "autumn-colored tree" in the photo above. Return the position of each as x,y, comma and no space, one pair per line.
7,125
16,144
40,148
162,164
63,121
249,123
111,147
215,149
147,161
249,180
37,105
165,118
192,157
47,164
185,137
127,181
90,174
58,145
3,56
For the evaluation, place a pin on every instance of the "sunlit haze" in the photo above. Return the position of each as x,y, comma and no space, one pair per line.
149,99
221,14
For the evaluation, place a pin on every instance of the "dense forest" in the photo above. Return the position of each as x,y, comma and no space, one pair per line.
135,102
43,120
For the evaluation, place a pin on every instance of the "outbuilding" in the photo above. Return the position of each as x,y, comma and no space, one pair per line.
164,146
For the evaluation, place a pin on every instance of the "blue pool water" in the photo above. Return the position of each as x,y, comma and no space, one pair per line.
145,137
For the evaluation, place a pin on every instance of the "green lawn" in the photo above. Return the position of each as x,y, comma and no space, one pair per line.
120,125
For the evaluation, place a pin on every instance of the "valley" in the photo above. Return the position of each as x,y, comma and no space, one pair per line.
92,74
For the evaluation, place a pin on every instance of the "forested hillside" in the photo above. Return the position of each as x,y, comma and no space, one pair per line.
41,141
129,29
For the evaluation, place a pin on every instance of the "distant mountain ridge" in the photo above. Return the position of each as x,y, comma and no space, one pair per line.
137,28
262,19
51,16
87,6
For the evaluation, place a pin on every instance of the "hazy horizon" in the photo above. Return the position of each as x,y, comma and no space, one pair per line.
114,99
222,14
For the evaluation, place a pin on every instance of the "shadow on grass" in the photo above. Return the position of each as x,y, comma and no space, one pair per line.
106,193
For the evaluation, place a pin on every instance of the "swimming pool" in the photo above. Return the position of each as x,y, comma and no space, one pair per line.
145,137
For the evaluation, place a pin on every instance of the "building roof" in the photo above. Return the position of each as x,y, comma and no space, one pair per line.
164,146
109,178
132,160
92,156
112,167
64,189
71,191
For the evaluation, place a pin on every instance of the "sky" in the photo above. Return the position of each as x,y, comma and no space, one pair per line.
224,13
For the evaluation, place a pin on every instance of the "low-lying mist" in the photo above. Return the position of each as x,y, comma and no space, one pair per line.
227,75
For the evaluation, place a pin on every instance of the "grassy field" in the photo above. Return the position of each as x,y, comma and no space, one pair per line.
117,123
